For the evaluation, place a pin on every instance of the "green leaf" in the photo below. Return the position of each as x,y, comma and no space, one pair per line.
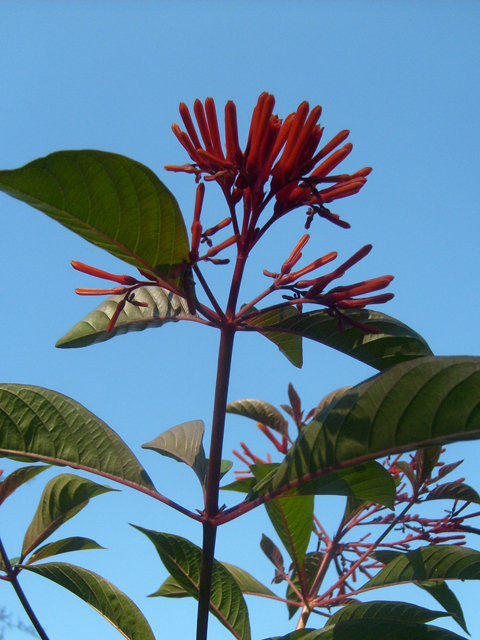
17,478
394,611
260,411
170,589
243,485
311,567
442,593
454,491
183,443
288,343
369,481
330,397
292,519
426,402
163,306
182,559
63,497
436,562
247,583
48,426
75,543
114,202
100,594
274,554
394,344
373,630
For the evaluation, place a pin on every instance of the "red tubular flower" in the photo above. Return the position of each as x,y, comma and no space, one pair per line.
280,159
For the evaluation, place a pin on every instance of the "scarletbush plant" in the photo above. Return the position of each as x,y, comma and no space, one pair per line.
416,403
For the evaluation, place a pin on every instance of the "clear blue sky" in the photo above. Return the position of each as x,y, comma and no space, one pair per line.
402,76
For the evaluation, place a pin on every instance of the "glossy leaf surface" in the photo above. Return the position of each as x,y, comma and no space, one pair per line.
426,402
259,411
63,497
17,478
394,611
100,594
437,562
182,559
74,543
48,426
394,344
163,306
112,201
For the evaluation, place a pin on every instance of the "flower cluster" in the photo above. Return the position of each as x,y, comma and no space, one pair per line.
281,160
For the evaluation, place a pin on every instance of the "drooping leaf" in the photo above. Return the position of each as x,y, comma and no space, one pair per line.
247,583
17,478
100,594
183,443
426,462
274,554
163,306
373,630
453,491
394,344
368,481
426,402
436,562
48,426
311,567
394,611
182,559
112,201
442,593
170,589
289,344
408,471
259,411
63,497
75,543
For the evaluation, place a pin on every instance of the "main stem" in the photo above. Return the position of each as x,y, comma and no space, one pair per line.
213,483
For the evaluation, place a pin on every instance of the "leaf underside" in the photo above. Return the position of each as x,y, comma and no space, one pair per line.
45,425
163,306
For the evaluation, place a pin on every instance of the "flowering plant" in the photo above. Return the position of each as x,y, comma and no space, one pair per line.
417,402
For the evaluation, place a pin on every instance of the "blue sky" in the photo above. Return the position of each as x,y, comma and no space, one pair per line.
402,76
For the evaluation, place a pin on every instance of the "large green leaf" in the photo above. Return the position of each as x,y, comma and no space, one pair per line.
290,344
311,566
393,344
17,478
394,611
74,543
114,202
45,425
436,562
63,497
163,306
373,630
369,481
259,411
426,402
101,594
442,593
182,560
